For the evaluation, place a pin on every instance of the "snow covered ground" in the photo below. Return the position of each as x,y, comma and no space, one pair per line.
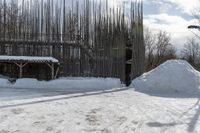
31,88
120,111
165,100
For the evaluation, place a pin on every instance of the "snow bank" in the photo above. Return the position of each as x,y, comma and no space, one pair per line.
4,82
172,76
3,77
65,84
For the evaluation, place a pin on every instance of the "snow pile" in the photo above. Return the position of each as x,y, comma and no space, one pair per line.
65,84
172,76
4,82
3,77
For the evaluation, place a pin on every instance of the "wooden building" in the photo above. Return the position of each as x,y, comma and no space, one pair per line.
88,39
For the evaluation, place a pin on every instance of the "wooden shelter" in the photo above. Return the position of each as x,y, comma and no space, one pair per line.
27,66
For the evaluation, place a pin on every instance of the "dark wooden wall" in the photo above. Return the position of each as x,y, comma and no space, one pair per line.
89,39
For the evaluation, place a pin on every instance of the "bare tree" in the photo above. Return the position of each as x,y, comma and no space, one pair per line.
191,51
149,42
158,48
162,44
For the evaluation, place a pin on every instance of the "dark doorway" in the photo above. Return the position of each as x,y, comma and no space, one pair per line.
128,65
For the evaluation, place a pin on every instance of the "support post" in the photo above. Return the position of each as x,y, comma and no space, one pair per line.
52,67
20,71
52,71
21,66
56,73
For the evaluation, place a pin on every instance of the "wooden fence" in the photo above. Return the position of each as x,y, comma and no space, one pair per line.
88,39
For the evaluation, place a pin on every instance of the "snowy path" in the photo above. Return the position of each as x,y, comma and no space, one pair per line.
19,93
122,111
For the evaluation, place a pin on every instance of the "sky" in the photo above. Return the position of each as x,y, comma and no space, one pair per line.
172,16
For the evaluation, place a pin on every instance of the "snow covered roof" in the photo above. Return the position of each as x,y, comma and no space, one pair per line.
28,59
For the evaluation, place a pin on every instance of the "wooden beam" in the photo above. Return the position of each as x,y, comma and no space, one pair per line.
21,66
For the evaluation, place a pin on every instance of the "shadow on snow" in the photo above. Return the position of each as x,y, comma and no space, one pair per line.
85,94
193,121
175,94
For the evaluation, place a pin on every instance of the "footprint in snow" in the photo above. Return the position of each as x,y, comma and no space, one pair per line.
41,118
39,123
135,122
60,121
17,131
3,118
106,131
78,123
59,131
92,118
122,120
49,129
53,114
17,111
4,131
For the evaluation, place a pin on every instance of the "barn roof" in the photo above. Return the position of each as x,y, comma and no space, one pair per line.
34,59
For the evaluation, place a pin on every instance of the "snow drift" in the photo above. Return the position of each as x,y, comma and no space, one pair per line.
65,84
170,77
3,77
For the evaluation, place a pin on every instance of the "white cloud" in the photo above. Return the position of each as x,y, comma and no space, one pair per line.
175,25
164,7
186,6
